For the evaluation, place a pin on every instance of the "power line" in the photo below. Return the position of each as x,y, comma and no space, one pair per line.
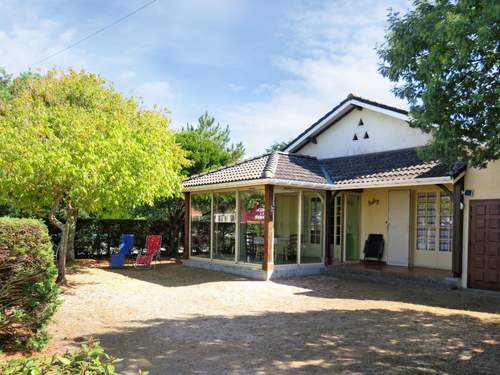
94,33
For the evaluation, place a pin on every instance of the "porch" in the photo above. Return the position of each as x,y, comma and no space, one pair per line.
387,274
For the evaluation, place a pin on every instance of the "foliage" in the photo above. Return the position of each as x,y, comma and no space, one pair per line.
277,146
444,58
28,293
69,140
209,145
91,359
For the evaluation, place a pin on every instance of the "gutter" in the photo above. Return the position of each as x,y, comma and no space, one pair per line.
319,186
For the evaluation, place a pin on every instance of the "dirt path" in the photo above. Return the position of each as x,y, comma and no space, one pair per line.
176,320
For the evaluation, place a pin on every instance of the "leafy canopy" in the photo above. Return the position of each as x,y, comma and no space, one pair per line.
208,145
444,58
68,138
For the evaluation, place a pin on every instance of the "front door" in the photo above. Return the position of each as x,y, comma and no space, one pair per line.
352,226
399,228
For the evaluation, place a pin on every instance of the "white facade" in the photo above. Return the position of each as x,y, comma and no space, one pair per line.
384,132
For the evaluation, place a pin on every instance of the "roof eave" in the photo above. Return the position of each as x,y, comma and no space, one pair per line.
320,186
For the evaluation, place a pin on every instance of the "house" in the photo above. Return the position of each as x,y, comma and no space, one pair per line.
354,172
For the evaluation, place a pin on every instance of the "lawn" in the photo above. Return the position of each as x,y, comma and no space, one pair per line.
178,320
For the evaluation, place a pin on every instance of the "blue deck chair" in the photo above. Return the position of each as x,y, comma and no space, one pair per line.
126,244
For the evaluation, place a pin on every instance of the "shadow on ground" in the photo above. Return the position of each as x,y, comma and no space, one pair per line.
459,299
173,275
332,341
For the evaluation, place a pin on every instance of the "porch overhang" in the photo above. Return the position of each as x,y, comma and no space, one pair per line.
328,187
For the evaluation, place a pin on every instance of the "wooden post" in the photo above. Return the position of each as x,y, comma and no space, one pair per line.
268,262
187,231
328,219
458,228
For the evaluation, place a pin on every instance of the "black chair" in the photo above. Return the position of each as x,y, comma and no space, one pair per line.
374,246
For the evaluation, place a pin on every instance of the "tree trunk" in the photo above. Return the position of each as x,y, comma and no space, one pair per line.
61,259
70,255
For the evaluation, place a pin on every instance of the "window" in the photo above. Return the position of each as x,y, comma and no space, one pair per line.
445,222
434,221
286,225
251,226
426,221
224,217
311,246
339,220
201,205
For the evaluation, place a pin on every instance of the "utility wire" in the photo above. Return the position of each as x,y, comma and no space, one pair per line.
94,33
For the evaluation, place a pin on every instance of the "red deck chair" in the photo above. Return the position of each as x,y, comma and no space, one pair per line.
152,252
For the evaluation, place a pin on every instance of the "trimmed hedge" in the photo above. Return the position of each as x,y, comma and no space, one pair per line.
28,292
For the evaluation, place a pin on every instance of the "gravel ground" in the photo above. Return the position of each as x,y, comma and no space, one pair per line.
177,320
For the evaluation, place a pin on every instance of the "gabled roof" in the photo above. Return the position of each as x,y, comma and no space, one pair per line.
278,166
386,168
336,113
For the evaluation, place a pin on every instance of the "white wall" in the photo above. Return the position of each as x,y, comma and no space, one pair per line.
385,132
485,184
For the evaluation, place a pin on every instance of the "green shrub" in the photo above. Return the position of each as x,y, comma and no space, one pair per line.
89,360
28,292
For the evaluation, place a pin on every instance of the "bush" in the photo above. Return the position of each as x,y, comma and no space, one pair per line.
89,360
28,292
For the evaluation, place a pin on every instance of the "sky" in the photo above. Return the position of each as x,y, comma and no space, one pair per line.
268,69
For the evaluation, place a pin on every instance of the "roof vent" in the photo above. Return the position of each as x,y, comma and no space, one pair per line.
366,136
361,123
355,138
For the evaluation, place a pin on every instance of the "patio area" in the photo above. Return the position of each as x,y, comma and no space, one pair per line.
182,321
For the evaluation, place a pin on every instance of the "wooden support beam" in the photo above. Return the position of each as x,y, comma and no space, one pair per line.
328,220
187,231
458,228
446,190
268,262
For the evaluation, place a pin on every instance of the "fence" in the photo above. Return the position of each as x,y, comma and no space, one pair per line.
96,238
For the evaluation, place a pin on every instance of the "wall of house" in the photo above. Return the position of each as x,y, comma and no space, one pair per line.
374,218
485,184
385,133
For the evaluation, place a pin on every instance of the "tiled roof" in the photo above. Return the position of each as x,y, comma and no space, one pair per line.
384,167
395,167
277,165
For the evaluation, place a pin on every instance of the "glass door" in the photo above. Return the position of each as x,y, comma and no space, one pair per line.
353,215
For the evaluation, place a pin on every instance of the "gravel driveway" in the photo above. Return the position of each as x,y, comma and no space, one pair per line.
177,320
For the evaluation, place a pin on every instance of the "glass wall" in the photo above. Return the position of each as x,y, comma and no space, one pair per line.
200,224
224,217
311,247
286,224
251,230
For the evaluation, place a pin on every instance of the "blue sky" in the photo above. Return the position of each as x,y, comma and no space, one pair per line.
268,69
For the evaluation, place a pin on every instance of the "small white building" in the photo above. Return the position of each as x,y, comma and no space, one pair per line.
349,190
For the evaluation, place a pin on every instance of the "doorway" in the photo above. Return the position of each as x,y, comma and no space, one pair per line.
399,228
352,220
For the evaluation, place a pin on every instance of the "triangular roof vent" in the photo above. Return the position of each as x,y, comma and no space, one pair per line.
355,138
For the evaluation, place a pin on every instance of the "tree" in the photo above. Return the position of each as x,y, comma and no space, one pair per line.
208,146
277,146
443,57
69,141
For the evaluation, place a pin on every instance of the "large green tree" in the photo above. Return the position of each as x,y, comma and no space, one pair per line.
209,146
443,57
70,143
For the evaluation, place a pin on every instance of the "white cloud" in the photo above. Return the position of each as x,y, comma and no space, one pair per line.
333,55
127,74
154,93
234,87
22,46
